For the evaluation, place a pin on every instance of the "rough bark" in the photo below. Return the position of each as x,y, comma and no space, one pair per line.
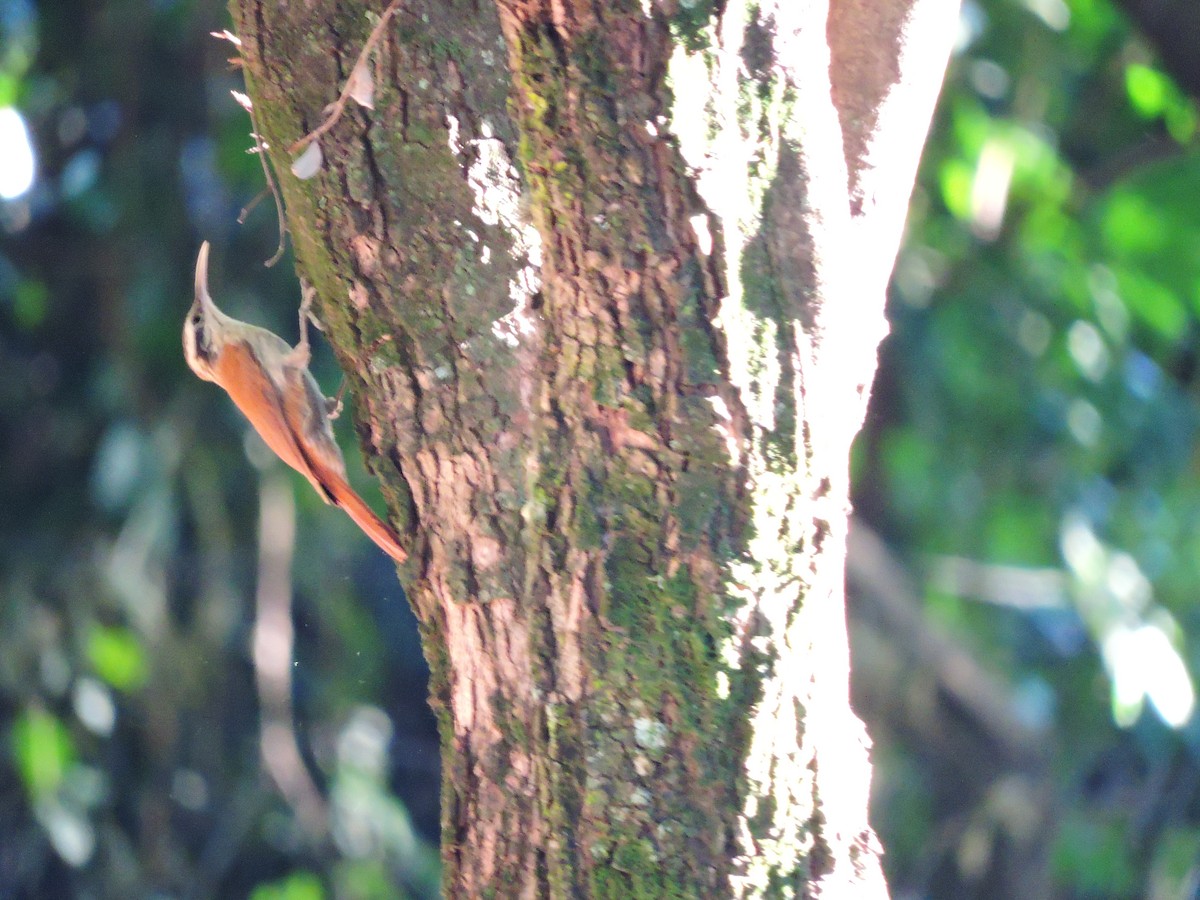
608,279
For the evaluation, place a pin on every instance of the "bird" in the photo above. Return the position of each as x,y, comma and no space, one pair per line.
269,381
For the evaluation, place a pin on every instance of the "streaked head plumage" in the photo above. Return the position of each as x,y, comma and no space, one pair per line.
201,328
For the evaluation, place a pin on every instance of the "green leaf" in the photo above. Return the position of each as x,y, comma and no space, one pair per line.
972,127
43,750
908,459
1092,22
1148,90
1173,859
1153,303
1180,117
9,87
1092,853
30,302
1154,95
1019,531
117,657
297,886
956,177
1132,225
364,879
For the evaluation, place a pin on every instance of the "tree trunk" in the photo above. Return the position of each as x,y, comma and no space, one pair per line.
608,280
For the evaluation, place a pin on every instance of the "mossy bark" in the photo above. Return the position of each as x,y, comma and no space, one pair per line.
610,402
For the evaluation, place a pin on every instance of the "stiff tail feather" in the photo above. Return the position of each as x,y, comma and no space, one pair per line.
364,517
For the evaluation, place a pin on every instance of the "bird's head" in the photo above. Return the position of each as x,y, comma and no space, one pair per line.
203,330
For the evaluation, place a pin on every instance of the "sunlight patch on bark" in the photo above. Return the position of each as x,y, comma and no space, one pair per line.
894,146
496,185
733,173
762,134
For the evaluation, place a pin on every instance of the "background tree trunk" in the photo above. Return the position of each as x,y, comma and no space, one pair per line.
608,282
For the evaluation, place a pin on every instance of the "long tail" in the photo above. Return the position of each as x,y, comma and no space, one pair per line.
374,527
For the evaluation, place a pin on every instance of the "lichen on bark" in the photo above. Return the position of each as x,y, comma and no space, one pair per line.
590,384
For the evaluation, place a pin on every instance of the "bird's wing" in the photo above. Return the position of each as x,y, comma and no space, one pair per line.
261,400
304,409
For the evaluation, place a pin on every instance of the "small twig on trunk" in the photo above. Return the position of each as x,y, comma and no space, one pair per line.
339,105
262,155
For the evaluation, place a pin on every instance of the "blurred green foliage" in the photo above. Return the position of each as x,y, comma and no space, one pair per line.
44,751
1036,410
130,716
296,886
117,657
